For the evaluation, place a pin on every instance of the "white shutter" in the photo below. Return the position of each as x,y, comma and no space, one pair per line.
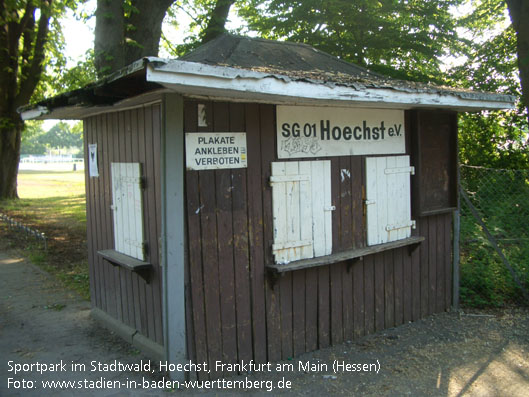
388,199
301,199
127,209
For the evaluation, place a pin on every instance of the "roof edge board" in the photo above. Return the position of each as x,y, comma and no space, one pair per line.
191,78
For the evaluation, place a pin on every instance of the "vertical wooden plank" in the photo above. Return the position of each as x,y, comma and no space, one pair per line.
119,142
372,200
392,190
336,292
416,283
359,305
87,137
273,322
348,305
346,242
345,203
369,294
113,142
407,285
329,307
318,217
208,225
323,308
146,309
104,171
336,287
128,275
306,209
241,245
327,188
144,137
440,276
293,218
357,186
448,261
432,263
100,217
381,205
279,210
424,229
137,213
224,221
311,309
268,154
298,312
298,277
379,291
255,231
285,286
398,282
389,290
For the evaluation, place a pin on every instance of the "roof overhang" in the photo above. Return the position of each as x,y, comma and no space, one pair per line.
228,83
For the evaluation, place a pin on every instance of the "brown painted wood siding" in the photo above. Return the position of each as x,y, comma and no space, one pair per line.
126,136
237,314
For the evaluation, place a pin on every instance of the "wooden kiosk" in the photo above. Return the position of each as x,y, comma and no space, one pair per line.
255,200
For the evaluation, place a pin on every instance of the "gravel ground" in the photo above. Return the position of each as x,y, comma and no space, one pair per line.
450,354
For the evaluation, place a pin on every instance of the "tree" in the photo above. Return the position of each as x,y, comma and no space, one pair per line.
127,30
403,39
30,143
28,33
519,12
492,139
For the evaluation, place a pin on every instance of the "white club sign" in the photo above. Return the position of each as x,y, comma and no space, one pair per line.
212,151
307,131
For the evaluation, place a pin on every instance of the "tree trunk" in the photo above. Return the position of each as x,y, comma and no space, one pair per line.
217,20
519,11
109,37
10,134
144,39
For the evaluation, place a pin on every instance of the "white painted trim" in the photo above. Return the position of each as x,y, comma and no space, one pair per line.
189,78
34,113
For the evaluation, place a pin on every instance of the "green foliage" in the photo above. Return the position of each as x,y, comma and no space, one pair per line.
403,39
37,141
30,138
502,199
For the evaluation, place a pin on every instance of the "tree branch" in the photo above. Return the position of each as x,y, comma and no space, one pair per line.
32,71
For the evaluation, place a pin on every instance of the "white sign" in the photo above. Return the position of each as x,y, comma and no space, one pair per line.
306,131
92,160
213,151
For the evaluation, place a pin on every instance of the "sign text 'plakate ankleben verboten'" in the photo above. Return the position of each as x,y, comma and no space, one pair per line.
213,151
306,131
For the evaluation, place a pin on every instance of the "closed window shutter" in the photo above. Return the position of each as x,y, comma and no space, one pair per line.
128,209
301,200
388,199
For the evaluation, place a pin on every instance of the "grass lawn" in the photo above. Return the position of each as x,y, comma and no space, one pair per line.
53,203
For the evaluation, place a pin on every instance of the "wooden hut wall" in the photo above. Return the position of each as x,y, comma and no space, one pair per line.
125,136
234,311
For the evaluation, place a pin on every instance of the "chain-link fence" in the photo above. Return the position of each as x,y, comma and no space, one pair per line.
500,198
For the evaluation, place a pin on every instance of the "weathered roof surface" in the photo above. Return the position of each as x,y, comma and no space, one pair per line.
272,56
303,62
257,70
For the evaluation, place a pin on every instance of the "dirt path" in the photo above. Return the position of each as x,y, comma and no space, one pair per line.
483,354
